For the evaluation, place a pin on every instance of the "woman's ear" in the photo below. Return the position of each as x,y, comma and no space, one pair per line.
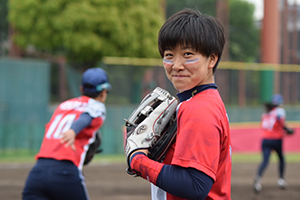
213,59
102,96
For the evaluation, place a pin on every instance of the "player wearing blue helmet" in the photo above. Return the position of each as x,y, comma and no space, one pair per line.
70,132
274,129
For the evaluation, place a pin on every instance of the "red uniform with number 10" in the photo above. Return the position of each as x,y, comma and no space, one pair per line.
62,119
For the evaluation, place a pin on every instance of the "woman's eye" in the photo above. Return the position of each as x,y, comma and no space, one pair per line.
168,55
188,53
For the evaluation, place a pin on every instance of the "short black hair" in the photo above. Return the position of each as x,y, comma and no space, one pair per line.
89,93
203,33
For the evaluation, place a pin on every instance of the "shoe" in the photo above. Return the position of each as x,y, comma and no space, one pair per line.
282,183
257,185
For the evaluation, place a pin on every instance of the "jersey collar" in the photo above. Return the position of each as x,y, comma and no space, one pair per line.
183,96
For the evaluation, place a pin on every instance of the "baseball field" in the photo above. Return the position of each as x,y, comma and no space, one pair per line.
107,180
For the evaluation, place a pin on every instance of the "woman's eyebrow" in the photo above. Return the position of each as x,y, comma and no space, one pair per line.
186,47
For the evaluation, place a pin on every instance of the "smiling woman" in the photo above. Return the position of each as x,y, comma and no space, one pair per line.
191,45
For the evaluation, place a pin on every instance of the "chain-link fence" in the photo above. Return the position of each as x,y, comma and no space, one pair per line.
25,95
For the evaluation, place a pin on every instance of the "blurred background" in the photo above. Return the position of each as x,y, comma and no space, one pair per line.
46,45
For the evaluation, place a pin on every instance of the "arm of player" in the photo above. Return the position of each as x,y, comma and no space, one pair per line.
282,122
68,137
187,183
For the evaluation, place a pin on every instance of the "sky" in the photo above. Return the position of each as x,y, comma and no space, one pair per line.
259,5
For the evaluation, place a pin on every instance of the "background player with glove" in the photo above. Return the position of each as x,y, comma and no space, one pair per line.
197,165
274,128
72,129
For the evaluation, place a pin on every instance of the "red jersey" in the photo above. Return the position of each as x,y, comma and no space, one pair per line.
203,142
272,123
63,117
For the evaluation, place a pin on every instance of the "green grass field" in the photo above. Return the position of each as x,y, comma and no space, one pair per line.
256,157
25,157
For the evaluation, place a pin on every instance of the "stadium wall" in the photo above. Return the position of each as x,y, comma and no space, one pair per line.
247,137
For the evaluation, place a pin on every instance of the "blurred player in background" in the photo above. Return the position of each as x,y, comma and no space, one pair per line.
198,164
274,128
57,174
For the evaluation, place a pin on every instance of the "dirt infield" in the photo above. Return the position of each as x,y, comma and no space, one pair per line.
111,182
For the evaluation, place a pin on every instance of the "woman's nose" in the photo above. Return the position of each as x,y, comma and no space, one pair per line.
178,64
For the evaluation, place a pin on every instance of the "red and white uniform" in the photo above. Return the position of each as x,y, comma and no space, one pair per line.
62,119
272,123
203,142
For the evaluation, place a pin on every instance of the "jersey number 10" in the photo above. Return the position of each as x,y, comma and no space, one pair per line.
59,125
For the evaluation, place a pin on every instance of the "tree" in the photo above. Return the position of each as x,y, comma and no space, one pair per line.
207,7
244,35
86,30
3,26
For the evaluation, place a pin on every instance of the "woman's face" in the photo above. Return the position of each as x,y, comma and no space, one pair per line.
186,68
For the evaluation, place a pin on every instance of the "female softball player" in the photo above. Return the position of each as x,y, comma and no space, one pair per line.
198,164
57,173
274,128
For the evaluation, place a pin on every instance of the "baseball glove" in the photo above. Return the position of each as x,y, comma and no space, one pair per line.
152,125
93,149
289,131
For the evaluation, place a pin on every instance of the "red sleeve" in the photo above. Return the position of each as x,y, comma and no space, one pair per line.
149,169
